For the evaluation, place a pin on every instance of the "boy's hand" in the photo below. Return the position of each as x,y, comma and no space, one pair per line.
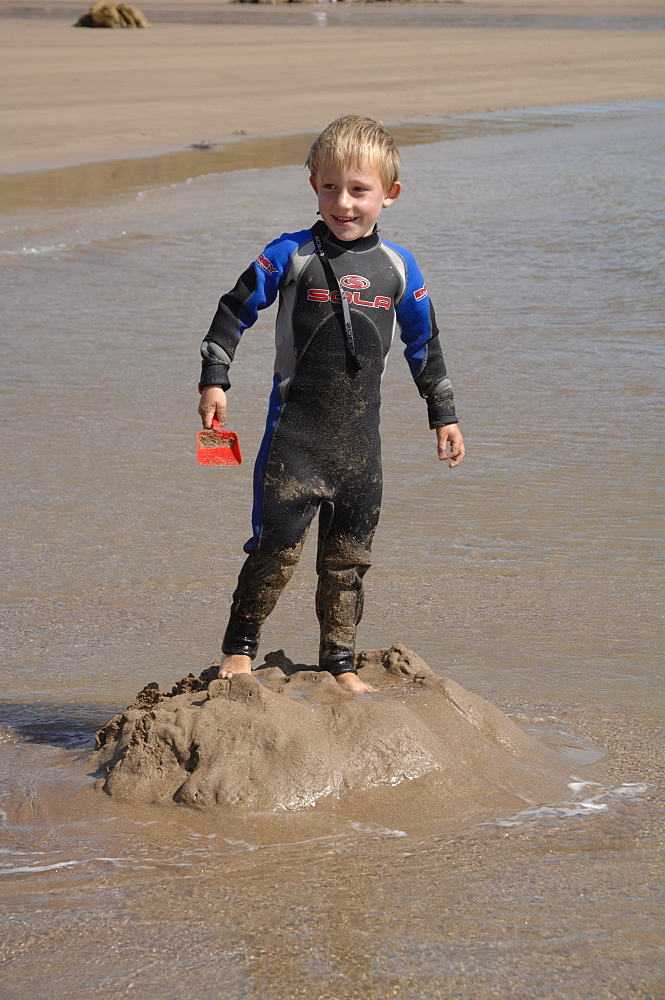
450,434
212,404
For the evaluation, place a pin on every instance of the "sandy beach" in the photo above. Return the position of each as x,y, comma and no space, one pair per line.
74,95
493,831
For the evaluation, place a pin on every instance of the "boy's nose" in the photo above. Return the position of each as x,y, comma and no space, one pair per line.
343,198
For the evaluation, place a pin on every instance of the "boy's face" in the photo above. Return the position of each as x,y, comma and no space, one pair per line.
351,198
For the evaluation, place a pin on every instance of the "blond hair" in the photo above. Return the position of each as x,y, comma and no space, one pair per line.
353,140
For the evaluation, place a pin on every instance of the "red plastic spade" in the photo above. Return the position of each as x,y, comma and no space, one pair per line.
217,447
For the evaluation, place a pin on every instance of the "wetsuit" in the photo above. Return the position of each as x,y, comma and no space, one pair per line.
321,449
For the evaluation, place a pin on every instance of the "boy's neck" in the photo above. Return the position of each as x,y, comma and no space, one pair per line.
362,243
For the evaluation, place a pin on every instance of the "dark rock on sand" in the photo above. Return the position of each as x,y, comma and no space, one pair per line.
288,738
108,14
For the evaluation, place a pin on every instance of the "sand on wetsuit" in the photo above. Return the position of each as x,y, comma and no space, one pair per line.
342,291
321,449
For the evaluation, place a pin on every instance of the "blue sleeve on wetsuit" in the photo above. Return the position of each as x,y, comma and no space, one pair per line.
413,314
420,334
238,309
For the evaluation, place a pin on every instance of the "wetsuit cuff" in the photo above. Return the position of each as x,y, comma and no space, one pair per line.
341,665
241,638
215,375
441,411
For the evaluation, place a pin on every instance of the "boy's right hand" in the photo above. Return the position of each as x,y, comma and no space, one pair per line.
212,404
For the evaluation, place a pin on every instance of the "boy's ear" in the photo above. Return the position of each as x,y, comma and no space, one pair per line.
393,194
312,181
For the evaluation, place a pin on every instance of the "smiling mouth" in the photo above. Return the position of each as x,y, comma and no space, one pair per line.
341,219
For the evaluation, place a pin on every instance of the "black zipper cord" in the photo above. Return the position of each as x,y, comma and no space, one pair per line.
346,312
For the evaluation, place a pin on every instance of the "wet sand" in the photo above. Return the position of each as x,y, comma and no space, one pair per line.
72,96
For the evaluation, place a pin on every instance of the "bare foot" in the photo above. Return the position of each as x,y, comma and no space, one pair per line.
352,683
235,664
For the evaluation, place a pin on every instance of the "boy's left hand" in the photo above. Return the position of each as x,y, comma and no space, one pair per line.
450,434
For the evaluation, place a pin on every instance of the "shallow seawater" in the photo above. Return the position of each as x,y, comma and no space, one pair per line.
532,575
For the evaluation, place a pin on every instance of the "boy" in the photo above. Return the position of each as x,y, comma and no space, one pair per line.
341,291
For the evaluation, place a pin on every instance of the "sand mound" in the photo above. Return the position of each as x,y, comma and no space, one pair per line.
288,738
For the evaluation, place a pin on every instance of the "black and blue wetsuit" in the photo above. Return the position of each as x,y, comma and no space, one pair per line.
321,449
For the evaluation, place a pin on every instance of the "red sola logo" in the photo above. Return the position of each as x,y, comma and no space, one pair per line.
325,295
263,262
354,281
420,293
